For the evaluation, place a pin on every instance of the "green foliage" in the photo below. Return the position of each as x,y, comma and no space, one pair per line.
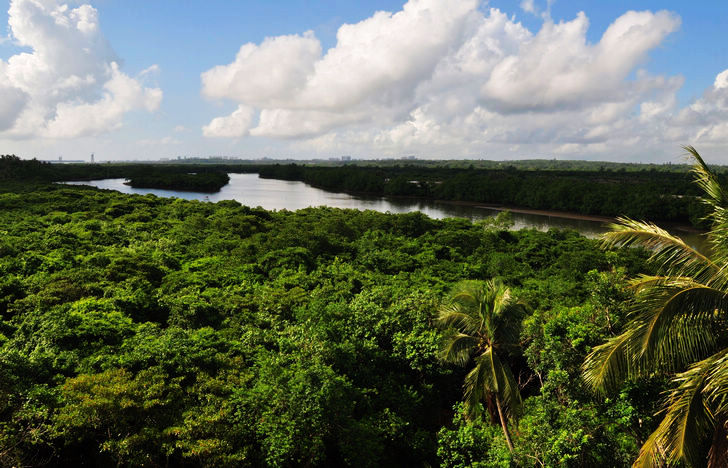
484,320
472,444
196,182
676,328
552,434
503,221
118,413
137,330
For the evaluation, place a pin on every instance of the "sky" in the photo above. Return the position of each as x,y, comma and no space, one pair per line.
621,80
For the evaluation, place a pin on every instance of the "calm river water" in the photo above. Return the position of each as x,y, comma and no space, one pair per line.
273,194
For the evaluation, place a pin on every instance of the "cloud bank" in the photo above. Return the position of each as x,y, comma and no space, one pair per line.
69,82
449,78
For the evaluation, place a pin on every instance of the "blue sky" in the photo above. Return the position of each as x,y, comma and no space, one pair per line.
636,98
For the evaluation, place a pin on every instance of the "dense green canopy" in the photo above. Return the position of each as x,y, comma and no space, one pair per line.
138,330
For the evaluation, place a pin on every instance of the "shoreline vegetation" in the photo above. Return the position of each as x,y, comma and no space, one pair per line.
661,193
668,196
570,215
205,182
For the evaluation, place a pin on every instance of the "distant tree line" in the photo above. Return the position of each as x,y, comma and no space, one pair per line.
14,168
657,195
520,164
661,195
198,177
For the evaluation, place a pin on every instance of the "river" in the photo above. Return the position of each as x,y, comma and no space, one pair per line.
273,194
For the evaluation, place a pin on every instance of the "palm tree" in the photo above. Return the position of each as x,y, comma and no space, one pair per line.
678,327
484,319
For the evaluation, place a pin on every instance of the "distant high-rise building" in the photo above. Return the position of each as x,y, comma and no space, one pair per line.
92,158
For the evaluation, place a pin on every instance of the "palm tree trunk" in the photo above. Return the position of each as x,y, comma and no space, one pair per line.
718,454
503,423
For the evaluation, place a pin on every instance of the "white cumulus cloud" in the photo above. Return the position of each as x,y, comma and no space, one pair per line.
558,68
234,125
529,6
450,78
274,70
376,64
68,83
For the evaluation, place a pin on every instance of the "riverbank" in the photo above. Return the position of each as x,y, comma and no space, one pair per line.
582,217
276,194
600,219
605,220
549,213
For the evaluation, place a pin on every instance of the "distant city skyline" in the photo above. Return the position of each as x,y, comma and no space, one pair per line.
627,81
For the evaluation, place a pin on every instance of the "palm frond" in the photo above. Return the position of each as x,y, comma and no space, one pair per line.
458,348
675,323
677,317
672,255
681,433
501,297
689,418
715,391
707,180
509,392
486,317
468,292
507,326
477,384
608,364
716,199
456,316
652,453
491,375
716,387
645,282
689,422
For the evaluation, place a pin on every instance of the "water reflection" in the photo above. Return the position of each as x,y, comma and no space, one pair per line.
273,194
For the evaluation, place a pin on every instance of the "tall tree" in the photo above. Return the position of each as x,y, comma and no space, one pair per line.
678,326
484,320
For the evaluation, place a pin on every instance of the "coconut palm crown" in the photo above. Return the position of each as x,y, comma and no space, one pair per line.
678,326
483,320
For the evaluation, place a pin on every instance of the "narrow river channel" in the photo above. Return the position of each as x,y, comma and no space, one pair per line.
273,194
